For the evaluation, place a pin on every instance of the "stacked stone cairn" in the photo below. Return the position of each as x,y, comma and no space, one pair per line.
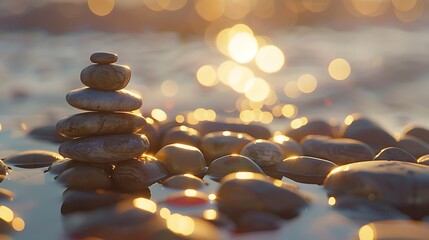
107,133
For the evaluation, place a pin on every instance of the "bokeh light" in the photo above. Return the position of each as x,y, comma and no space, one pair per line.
169,88
289,111
307,83
238,78
291,89
366,233
206,76
242,47
101,7
158,114
339,69
210,10
270,59
257,89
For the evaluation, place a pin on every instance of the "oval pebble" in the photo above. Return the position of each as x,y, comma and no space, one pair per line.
60,166
306,169
180,158
394,153
106,148
109,77
263,152
289,146
414,146
313,127
338,150
96,100
33,158
181,134
85,178
183,181
418,132
100,123
103,57
255,130
225,165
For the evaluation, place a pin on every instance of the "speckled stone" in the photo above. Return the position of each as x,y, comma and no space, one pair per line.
110,77
218,144
104,149
245,192
313,127
85,177
138,174
418,132
103,57
306,169
289,146
263,152
33,159
225,165
338,150
181,134
100,123
184,181
96,100
180,158
397,154
414,146
401,184
424,159
255,130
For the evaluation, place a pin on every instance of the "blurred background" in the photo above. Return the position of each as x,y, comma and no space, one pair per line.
276,62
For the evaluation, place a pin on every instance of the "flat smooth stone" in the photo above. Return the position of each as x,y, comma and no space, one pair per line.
424,159
218,144
105,148
338,150
33,158
138,174
255,130
225,165
85,178
60,166
414,146
313,127
96,100
103,57
418,132
184,181
181,134
100,123
393,153
289,146
306,169
180,158
263,152
403,185
109,77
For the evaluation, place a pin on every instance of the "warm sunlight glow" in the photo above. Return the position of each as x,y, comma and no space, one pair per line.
212,196
180,119
242,47
224,70
164,212
238,77
210,214
257,89
209,10
348,120
339,69
244,175
145,204
289,110
6,214
159,114
18,224
190,193
270,59
307,83
332,201
366,233
206,76
291,89
404,5
101,7
169,88
180,224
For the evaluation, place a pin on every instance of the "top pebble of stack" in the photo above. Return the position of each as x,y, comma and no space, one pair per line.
104,74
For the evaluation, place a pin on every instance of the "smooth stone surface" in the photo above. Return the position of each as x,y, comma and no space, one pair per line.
184,181
394,153
180,158
258,221
138,174
100,123
414,146
365,130
103,57
338,150
181,134
60,166
401,184
151,131
306,169
104,149
255,130
33,159
424,159
225,165
85,178
245,192
272,171
394,230
109,77
313,127
96,100
418,132
263,152
47,133
289,146
218,144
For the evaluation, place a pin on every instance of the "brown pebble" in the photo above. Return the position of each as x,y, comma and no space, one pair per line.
414,146
110,77
85,178
313,127
33,158
181,134
258,221
103,57
394,153
263,152
180,158
418,132
289,146
394,229
183,181
306,169
225,165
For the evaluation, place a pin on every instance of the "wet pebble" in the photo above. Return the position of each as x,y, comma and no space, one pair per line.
181,134
263,152
418,132
289,146
258,221
313,127
151,131
424,159
106,77
306,169
225,165
254,130
103,57
218,144
96,100
33,158
60,166
180,158
338,150
105,148
85,178
394,153
100,123
183,181
414,146
138,174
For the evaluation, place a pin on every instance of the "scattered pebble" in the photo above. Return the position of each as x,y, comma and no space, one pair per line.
33,159
258,221
181,134
418,132
414,146
225,165
394,153
306,169
47,133
313,127
263,152
289,146
103,57
255,130
184,181
180,158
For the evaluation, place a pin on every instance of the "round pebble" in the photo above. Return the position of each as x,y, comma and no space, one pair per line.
263,152
414,146
106,148
181,134
110,77
85,178
338,150
289,146
255,130
180,158
397,154
306,169
33,159
313,127
183,181
100,123
418,132
103,57
96,100
225,165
